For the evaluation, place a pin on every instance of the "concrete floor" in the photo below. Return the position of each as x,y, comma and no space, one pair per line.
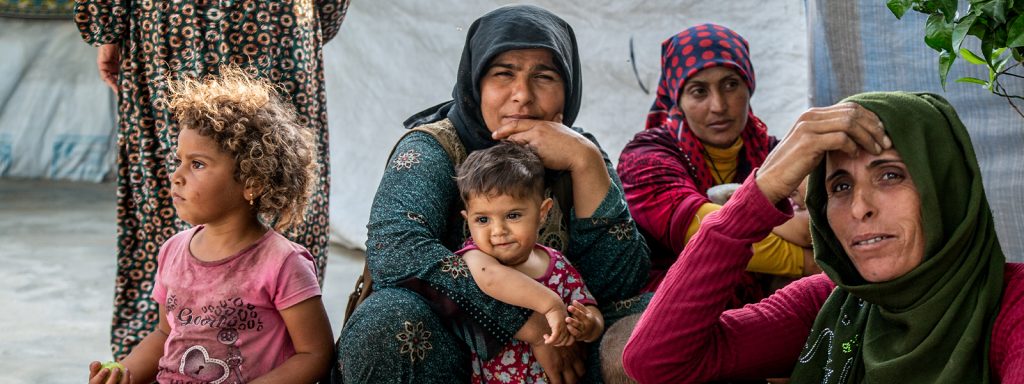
57,280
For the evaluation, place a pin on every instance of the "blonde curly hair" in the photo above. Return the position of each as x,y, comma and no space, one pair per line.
249,118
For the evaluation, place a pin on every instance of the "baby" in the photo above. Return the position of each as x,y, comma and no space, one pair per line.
503,191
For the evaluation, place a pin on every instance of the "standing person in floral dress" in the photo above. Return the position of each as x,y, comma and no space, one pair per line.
142,45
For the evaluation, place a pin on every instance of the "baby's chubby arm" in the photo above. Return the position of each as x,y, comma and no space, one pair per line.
515,288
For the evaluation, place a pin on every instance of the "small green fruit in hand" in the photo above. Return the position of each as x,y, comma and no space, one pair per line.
112,364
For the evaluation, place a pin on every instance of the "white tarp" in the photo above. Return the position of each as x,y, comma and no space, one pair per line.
57,118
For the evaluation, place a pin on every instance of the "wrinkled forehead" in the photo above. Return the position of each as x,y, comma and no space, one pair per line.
840,160
531,58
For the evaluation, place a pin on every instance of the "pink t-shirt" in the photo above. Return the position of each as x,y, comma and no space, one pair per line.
224,315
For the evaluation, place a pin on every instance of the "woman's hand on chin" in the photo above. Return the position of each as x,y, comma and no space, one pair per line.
558,146
562,148
846,127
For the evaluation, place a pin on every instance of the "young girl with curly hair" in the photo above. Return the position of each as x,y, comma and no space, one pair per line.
238,301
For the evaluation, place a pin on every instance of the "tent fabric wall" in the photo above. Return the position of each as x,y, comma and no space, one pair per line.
859,46
57,118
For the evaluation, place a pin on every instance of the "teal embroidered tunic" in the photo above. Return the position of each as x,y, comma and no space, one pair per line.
415,226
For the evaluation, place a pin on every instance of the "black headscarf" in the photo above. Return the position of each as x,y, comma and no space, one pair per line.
504,29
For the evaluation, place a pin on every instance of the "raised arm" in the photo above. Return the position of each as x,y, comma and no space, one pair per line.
606,247
413,217
669,207
684,336
565,149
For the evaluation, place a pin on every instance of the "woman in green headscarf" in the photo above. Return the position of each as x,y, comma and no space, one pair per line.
916,288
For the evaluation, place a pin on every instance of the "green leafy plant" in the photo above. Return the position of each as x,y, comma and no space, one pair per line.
999,24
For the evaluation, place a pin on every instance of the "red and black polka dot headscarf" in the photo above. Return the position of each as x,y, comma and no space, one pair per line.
682,56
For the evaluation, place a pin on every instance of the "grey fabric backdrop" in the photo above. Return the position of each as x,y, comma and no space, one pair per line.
859,46
57,118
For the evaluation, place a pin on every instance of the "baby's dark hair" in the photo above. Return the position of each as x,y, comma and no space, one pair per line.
505,169
249,118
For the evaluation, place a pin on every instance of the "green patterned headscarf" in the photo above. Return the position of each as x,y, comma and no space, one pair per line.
933,324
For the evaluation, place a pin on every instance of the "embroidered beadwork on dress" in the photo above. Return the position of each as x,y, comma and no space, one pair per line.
621,231
416,217
455,265
406,160
626,304
553,233
414,340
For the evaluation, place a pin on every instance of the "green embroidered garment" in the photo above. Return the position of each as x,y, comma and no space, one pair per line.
415,226
426,314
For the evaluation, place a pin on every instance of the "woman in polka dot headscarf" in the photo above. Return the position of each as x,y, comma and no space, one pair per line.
701,133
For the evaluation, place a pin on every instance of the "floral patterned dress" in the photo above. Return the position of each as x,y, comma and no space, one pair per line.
160,40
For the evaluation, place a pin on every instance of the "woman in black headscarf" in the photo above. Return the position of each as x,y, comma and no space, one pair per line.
427,321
